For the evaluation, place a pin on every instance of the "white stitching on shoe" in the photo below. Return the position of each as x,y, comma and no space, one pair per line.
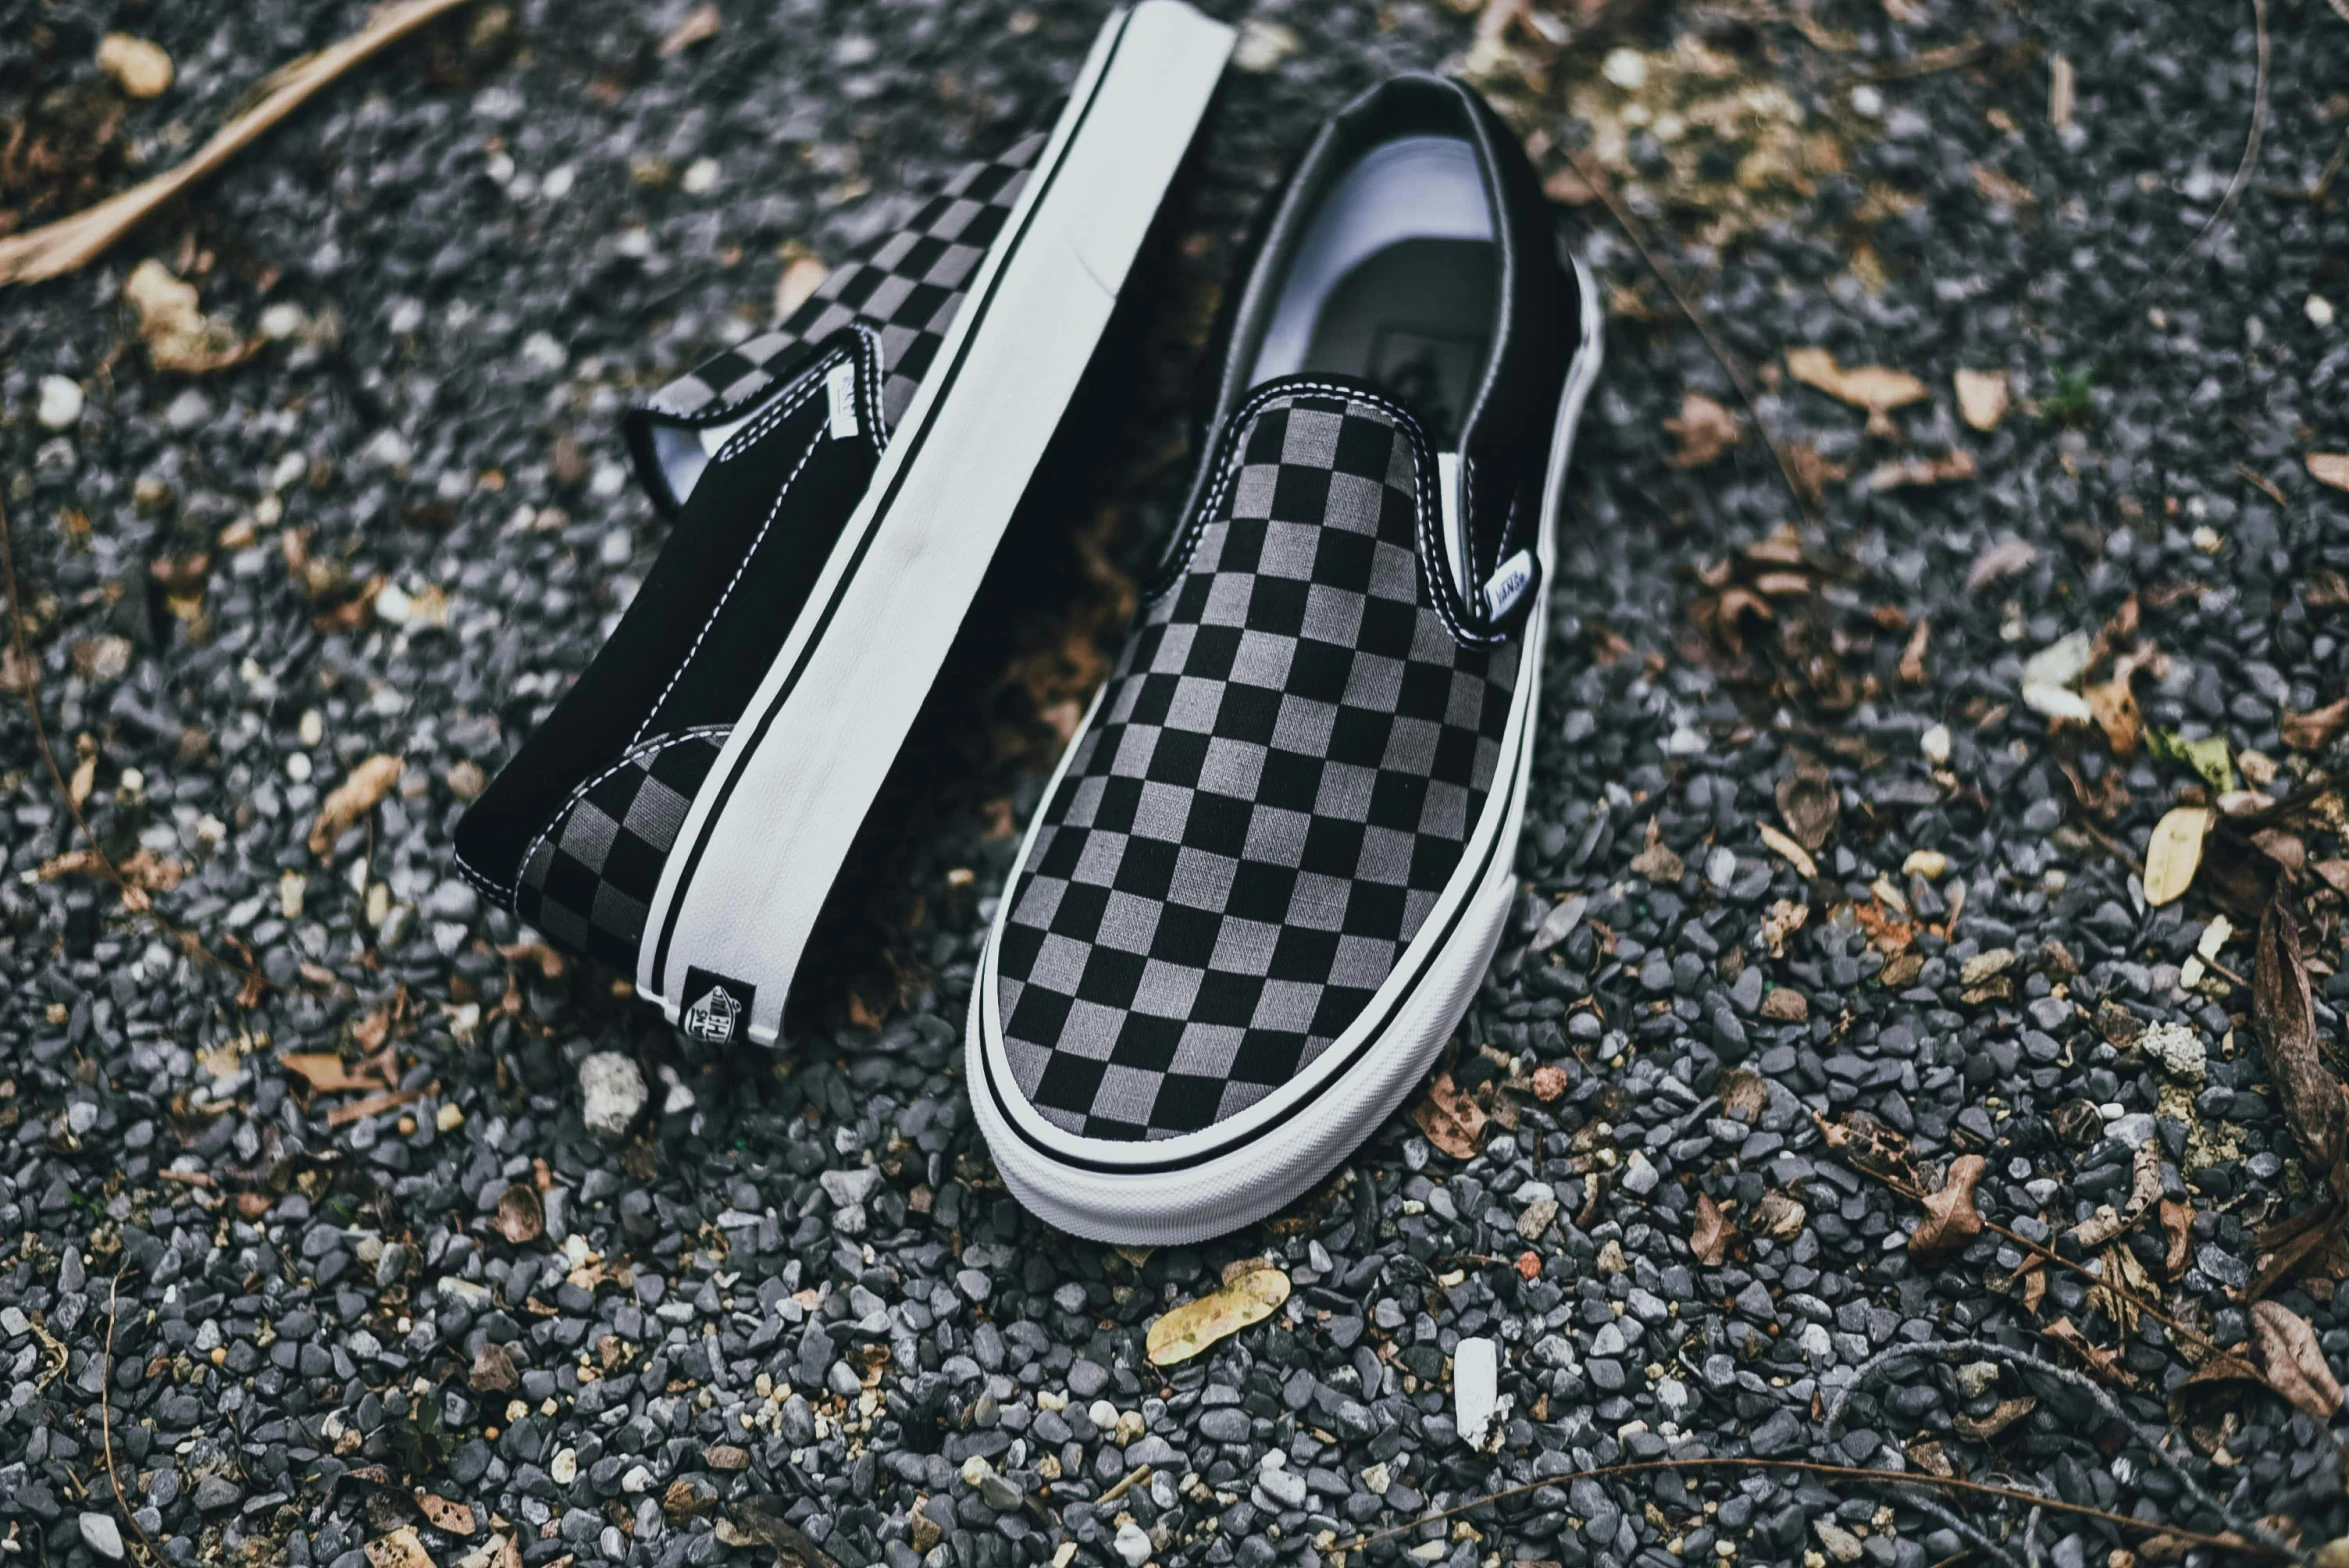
740,567
652,748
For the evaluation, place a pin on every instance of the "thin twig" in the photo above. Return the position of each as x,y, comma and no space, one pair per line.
57,248
106,1420
1604,186
1845,1473
2242,180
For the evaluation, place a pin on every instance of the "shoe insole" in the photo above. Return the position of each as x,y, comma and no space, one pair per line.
1396,280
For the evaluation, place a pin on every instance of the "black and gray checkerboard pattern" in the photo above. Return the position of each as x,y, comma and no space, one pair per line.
588,881
907,288
1281,779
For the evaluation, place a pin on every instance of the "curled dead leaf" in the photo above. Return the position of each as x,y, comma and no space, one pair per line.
2174,853
1809,803
2283,1015
1709,1238
1790,851
1950,1218
1875,388
521,1218
1452,1121
1184,1331
2114,707
1701,432
353,798
2317,728
1780,1215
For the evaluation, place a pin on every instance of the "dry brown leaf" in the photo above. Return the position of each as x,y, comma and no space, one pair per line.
1900,474
700,23
1790,851
374,1105
178,335
2293,1360
139,68
1709,1239
1950,1219
521,1218
493,1369
2283,1015
1184,1331
2329,468
1982,397
1912,657
2315,729
1809,803
327,1073
353,798
2174,853
1785,917
400,1549
2114,706
2002,1415
1659,863
2335,873
1701,432
2177,1234
2102,1360
2007,558
2108,1224
1743,1094
1780,1214
549,963
1876,388
1451,1120
443,1515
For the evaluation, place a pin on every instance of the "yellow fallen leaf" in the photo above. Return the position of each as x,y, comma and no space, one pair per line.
1246,1298
2329,468
2175,853
138,67
352,799
1876,388
1982,397
1790,851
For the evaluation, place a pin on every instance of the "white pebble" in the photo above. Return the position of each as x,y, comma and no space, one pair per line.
1934,743
611,1093
1476,1388
2320,310
61,406
1132,1544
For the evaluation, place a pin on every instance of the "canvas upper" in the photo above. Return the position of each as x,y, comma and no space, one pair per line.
1281,778
761,454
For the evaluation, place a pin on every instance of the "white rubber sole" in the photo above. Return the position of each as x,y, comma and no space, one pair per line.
1209,1183
771,825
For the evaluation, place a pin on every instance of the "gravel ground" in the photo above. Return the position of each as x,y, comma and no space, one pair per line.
784,1310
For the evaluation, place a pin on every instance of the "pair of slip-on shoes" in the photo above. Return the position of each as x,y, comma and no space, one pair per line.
1270,870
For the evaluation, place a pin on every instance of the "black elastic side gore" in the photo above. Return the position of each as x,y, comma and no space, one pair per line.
709,587
1506,440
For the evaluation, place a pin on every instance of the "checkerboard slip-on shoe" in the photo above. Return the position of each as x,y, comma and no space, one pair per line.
1277,858
839,485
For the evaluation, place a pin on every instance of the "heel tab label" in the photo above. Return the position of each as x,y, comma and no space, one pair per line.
840,396
717,1007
